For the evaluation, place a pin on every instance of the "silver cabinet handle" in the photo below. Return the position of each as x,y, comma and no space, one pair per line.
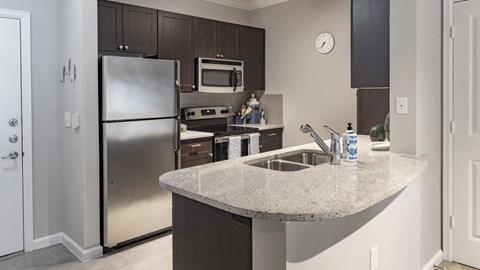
272,134
211,157
195,145
218,55
12,155
120,47
221,56
126,48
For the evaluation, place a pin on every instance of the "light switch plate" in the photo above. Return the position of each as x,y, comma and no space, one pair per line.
402,105
67,120
75,120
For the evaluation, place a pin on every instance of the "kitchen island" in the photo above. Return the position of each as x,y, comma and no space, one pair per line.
234,209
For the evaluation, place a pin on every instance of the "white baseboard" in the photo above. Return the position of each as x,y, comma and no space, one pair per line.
61,238
47,241
435,260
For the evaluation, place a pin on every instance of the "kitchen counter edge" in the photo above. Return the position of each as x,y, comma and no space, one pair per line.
233,193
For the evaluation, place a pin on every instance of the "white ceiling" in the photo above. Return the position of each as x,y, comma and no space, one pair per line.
247,4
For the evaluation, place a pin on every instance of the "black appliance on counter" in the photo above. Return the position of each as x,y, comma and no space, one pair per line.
214,120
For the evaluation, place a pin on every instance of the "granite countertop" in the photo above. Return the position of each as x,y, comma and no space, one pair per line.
259,126
189,134
319,193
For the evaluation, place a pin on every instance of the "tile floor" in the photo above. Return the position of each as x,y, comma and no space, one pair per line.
150,255
153,255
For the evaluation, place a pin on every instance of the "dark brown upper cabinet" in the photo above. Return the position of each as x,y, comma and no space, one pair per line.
126,28
370,43
227,40
205,32
252,52
176,42
215,39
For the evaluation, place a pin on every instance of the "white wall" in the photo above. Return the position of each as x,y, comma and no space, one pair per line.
416,73
345,243
80,148
315,87
46,99
429,120
65,161
198,8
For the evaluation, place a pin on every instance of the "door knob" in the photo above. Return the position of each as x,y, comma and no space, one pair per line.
12,155
126,47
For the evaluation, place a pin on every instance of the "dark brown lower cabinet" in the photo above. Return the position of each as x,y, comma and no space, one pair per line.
207,238
271,139
196,152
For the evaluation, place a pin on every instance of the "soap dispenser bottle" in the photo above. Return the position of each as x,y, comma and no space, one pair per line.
349,144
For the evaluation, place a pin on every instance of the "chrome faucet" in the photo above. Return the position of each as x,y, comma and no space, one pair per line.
334,151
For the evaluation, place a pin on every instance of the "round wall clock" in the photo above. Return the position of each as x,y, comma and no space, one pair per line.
324,43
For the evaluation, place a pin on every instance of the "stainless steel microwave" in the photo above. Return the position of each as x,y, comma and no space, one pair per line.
218,75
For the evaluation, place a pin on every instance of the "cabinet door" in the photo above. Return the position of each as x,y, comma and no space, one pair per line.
109,26
175,42
370,63
252,52
140,29
271,139
227,40
205,38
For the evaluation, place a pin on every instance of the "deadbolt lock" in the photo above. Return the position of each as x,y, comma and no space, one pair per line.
13,122
13,139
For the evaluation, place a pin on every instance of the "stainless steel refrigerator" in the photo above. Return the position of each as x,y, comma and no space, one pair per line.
140,141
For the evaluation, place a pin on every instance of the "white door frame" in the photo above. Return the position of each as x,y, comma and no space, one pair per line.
24,18
448,143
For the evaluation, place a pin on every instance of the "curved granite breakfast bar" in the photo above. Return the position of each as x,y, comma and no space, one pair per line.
319,193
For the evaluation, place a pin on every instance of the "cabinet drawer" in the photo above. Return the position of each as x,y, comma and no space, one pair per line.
196,159
195,146
271,139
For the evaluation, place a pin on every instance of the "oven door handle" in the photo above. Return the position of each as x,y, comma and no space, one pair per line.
226,138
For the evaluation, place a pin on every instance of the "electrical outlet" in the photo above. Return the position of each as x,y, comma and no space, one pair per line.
374,258
67,120
402,105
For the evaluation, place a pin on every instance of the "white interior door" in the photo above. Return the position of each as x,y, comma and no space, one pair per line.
466,233
11,180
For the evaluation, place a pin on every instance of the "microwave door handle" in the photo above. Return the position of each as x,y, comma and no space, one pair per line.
233,79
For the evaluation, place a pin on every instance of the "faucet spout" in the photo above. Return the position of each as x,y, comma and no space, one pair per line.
333,151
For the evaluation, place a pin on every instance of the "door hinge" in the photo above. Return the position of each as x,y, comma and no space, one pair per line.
452,127
452,222
452,31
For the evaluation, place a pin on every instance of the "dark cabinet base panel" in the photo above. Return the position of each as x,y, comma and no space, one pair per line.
207,238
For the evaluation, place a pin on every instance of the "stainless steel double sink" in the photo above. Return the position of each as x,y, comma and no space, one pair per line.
292,161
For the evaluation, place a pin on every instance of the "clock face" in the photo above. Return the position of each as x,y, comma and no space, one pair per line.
324,43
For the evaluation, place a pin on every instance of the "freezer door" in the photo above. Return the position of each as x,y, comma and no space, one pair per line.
138,88
135,154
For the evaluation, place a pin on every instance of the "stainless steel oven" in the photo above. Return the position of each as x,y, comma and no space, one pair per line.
221,146
218,75
214,120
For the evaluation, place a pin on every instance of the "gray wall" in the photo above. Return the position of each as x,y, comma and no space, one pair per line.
315,87
198,8
47,116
